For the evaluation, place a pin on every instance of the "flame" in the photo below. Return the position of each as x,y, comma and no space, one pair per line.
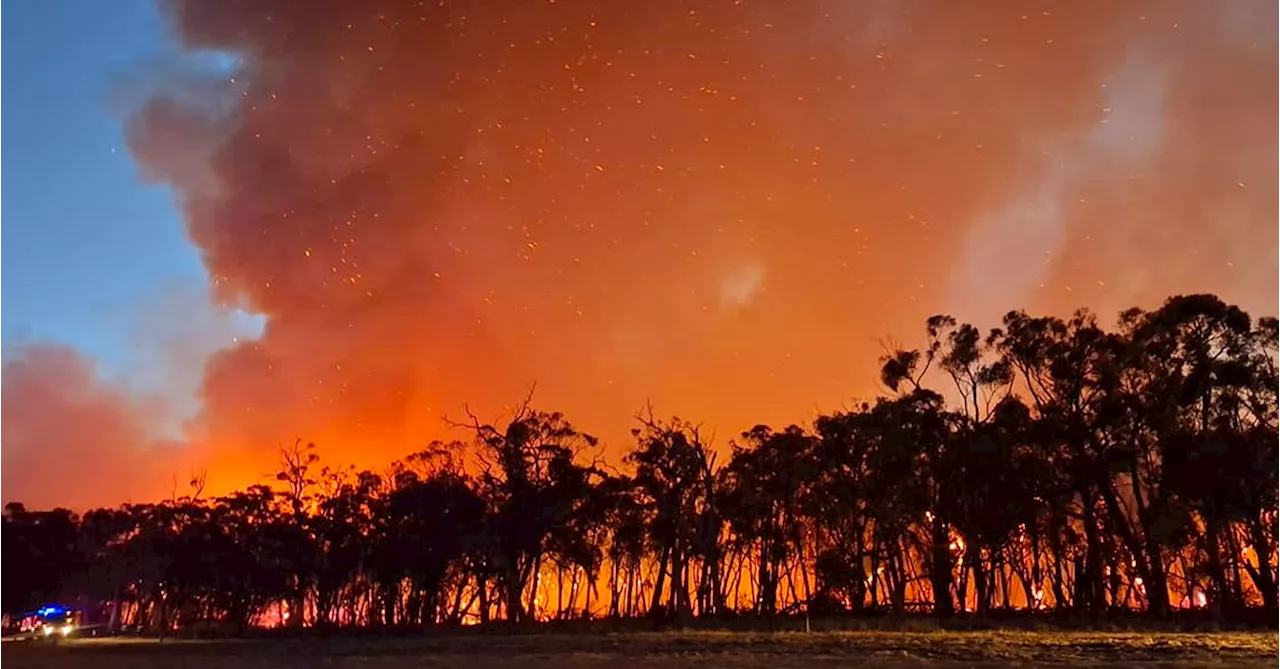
1037,598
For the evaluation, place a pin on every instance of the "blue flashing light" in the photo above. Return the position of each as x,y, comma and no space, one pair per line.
50,610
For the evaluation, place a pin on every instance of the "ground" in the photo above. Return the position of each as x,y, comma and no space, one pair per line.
736,650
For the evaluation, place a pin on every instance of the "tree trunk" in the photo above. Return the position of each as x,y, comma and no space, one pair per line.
1057,575
981,586
482,592
515,595
659,580
1158,580
1223,598
766,592
1090,585
1146,554
1263,577
940,571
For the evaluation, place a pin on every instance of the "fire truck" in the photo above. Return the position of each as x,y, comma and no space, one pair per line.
50,622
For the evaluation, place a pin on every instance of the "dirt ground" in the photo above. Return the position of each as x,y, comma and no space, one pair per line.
893,650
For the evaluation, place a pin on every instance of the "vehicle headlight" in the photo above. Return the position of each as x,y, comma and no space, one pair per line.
66,629
48,629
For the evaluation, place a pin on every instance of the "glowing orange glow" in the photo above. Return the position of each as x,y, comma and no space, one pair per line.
1037,598
722,211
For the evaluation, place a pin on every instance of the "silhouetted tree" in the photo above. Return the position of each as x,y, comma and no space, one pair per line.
1048,464
533,486
675,479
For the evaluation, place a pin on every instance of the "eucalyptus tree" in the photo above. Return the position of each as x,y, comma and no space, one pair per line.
675,474
533,485
765,480
431,522
1068,369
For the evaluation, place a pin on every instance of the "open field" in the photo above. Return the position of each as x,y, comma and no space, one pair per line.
674,650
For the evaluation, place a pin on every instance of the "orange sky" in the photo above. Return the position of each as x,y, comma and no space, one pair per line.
720,206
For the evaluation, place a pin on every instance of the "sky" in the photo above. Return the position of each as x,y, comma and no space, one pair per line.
726,208
74,206
97,261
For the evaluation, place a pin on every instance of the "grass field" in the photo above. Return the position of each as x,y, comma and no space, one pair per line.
672,650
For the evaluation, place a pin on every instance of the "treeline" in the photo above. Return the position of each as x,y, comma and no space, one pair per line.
1069,468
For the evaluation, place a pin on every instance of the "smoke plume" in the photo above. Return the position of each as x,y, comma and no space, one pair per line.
716,205
75,439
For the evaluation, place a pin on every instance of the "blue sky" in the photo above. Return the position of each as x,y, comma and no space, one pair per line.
87,243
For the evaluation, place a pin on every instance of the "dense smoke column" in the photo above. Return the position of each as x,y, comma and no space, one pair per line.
717,205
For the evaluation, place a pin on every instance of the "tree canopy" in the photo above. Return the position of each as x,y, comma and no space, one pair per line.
1048,464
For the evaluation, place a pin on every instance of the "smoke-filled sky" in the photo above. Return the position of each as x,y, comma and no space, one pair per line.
724,207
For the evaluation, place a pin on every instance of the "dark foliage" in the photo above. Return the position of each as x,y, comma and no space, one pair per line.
1055,465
